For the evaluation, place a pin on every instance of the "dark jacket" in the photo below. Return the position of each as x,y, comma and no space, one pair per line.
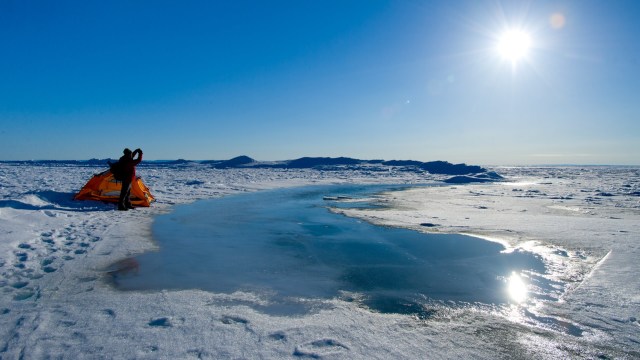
129,165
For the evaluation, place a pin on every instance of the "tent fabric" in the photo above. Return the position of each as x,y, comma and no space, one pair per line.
104,187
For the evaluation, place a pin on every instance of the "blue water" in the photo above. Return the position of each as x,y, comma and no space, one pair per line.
286,244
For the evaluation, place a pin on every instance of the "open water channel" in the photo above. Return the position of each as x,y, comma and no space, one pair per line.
286,244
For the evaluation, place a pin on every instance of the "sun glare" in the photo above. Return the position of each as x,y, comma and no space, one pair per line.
513,45
516,288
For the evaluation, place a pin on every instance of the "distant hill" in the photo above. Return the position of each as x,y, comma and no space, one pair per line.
319,163
311,162
433,167
238,161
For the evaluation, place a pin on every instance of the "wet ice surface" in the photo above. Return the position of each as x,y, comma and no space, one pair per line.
287,244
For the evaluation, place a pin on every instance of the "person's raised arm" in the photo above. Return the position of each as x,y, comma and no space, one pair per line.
139,159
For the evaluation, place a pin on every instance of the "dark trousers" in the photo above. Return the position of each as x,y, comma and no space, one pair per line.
125,193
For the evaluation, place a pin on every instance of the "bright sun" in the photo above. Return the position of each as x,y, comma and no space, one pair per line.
514,45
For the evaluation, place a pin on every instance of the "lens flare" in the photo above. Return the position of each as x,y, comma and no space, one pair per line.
557,21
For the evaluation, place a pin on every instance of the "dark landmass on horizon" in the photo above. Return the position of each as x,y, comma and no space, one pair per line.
319,163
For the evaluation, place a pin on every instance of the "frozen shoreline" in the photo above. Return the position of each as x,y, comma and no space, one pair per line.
594,230
56,301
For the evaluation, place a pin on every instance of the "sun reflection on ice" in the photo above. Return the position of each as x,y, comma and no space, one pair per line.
517,288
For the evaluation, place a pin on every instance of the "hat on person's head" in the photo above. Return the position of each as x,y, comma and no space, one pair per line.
126,151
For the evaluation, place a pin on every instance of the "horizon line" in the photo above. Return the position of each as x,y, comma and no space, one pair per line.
201,160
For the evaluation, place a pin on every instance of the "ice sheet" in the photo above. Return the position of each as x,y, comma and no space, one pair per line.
55,254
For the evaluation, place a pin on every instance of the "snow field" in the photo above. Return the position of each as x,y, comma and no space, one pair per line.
55,253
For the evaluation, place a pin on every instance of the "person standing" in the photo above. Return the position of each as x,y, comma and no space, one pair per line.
128,163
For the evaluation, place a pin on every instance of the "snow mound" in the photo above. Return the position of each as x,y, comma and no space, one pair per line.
476,178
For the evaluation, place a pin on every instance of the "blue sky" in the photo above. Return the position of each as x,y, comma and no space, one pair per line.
279,80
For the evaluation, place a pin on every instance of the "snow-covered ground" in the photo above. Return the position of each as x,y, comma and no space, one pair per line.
56,300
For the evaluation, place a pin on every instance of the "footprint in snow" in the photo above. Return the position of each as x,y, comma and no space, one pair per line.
237,320
231,320
67,323
160,322
22,256
278,336
110,313
35,276
320,348
24,294
199,354
19,284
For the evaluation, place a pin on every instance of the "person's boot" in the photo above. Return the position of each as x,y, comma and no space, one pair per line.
122,207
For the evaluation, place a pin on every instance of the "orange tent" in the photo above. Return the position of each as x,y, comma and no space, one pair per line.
104,187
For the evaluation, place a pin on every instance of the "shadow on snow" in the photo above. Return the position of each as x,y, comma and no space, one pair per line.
53,200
